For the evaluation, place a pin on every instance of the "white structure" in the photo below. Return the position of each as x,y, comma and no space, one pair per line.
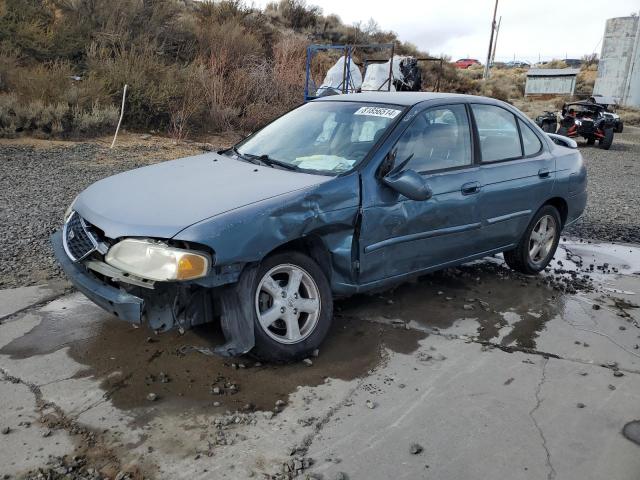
619,67
551,81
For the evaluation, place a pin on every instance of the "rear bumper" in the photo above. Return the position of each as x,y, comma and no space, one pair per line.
120,303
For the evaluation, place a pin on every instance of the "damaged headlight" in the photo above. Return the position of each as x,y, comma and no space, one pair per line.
157,261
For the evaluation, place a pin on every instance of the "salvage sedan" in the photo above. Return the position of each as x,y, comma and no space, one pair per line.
342,195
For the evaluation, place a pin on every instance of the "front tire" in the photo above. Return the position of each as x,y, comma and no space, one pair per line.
538,244
293,307
619,127
607,140
549,127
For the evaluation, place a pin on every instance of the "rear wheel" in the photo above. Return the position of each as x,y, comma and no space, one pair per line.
607,140
591,140
549,127
538,244
293,307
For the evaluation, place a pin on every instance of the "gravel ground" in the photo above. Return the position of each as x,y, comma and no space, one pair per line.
39,179
612,212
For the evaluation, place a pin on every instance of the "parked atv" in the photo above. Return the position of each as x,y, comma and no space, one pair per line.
548,121
587,119
610,104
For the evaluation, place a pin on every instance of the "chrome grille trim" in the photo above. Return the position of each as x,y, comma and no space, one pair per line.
77,241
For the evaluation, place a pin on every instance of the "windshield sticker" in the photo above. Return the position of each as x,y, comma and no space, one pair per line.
378,112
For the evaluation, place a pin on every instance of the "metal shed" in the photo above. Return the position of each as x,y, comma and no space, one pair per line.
551,81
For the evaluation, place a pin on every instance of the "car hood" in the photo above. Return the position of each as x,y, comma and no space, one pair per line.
161,200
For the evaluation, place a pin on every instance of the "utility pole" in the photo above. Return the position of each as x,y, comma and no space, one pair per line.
495,42
493,28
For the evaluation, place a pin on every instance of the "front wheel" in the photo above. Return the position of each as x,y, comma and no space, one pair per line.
293,307
538,244
549,127
607,140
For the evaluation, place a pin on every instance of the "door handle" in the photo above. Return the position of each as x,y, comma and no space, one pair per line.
470,188
544,173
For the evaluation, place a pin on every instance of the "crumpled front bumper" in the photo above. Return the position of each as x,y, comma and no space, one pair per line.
118,302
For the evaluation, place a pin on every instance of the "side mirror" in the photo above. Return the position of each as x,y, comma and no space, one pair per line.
410,184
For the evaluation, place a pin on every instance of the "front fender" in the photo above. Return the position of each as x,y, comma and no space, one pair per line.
246,235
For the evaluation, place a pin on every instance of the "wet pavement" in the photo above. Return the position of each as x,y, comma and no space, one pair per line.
491,373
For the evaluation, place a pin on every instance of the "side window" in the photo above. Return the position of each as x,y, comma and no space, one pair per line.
436,139
499,138
530,140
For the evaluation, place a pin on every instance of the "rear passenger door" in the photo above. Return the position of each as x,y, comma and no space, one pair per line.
516,171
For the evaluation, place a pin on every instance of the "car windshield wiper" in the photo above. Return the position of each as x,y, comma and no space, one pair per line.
248,157
267,160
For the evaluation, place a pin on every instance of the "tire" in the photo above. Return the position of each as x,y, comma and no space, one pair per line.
619,127
605,143
520,258
591,140
279,341
548,127
562,131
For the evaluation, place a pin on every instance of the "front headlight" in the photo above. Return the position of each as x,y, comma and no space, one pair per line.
156,261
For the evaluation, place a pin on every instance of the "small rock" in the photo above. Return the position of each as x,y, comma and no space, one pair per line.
315,353
580,405
622,327
280,403
5,430
152,397
595,306
308,362
340,476
415,448
268,414
46,433
371,405
466,306
612,387
618,373
216,390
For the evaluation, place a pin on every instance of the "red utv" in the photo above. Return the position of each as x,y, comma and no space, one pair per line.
587,119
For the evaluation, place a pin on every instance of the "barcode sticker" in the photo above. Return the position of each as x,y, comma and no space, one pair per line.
378,112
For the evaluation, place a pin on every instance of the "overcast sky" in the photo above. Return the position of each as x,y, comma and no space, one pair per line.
460,28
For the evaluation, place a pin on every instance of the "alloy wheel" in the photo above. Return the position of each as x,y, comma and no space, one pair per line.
287,303
541,239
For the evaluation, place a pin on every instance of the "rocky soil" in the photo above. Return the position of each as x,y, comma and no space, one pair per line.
38,180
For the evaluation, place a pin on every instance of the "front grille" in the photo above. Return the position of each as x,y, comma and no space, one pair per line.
586,127
78,241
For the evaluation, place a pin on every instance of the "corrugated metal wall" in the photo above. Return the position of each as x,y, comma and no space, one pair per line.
559,85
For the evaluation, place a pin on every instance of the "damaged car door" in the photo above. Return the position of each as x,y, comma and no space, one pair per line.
401,235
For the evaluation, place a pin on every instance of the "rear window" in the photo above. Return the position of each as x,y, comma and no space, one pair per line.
499,138
530,140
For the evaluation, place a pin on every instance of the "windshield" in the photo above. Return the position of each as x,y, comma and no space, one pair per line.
328,137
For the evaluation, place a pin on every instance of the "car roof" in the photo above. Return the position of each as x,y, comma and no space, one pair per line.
400,98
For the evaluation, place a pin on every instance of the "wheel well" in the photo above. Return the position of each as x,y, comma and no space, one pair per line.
561,205
311,246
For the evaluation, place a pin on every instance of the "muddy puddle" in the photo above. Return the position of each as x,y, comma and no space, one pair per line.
485,300
132,363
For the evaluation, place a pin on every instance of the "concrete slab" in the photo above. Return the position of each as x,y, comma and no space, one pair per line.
14,300
493,375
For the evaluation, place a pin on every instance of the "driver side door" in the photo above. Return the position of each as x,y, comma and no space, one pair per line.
400,236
